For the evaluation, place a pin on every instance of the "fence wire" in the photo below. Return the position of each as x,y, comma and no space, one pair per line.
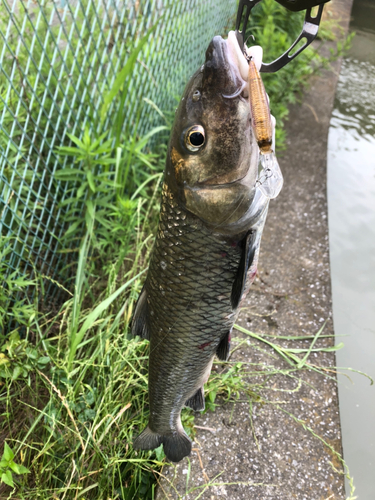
57,60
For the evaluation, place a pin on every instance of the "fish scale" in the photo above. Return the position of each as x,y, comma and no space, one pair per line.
189,305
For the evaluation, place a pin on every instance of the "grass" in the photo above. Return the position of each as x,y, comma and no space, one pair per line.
73,383
84,397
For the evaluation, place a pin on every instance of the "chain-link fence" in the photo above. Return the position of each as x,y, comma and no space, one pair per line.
57,60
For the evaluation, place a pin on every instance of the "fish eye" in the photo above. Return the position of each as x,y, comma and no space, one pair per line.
195,138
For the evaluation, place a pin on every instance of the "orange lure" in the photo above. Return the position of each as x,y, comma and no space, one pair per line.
260,111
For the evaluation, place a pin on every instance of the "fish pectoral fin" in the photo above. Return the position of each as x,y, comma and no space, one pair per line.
223,349
196,402
139,321
247,257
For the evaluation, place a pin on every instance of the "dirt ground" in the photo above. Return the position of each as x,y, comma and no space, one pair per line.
272,455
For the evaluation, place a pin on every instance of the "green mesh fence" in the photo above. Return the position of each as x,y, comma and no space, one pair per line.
57,60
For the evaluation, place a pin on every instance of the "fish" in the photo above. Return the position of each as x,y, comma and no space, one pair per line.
206,249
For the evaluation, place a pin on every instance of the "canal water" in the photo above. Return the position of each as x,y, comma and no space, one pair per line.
351,212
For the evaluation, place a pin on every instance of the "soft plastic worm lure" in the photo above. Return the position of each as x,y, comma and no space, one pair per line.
270,178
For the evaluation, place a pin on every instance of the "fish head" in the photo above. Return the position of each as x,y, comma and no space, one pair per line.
213,156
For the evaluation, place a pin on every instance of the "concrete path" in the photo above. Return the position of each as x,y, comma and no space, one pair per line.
264,452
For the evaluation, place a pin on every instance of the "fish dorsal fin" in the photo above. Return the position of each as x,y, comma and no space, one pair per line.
222,351
196,402
139,321
247,256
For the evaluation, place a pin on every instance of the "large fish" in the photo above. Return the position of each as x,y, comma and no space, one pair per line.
207,245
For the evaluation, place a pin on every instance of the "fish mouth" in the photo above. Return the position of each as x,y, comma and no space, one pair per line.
237,59
230,65
236,56
225,66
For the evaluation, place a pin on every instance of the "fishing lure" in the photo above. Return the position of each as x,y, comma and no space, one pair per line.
270,178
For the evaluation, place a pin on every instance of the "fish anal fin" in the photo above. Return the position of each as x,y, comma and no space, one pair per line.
223,349
139,322
247,257
196,402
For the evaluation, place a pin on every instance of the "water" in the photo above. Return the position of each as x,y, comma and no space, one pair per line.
351,212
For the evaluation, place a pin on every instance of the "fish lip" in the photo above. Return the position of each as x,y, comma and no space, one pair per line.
220,55
200,185
205,183
237,57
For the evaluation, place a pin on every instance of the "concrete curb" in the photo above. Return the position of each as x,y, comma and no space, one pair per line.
267,454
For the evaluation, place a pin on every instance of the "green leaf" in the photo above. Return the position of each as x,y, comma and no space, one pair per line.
96,143
16,372
77,141
91,181
303,361
65,173
81,189
23,282
212,396
68,151
14,467
7,478
3,359
31,353
8,453
142,142
23,470
43,360
68,201
73,227
159,452
18,469
90,414
90,208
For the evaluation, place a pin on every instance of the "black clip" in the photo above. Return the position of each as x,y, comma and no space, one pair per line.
249,4
309,32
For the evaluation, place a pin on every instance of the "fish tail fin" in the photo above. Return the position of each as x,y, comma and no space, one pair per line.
147,440
177,446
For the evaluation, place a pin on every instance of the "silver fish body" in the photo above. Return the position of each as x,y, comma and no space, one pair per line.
206,249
